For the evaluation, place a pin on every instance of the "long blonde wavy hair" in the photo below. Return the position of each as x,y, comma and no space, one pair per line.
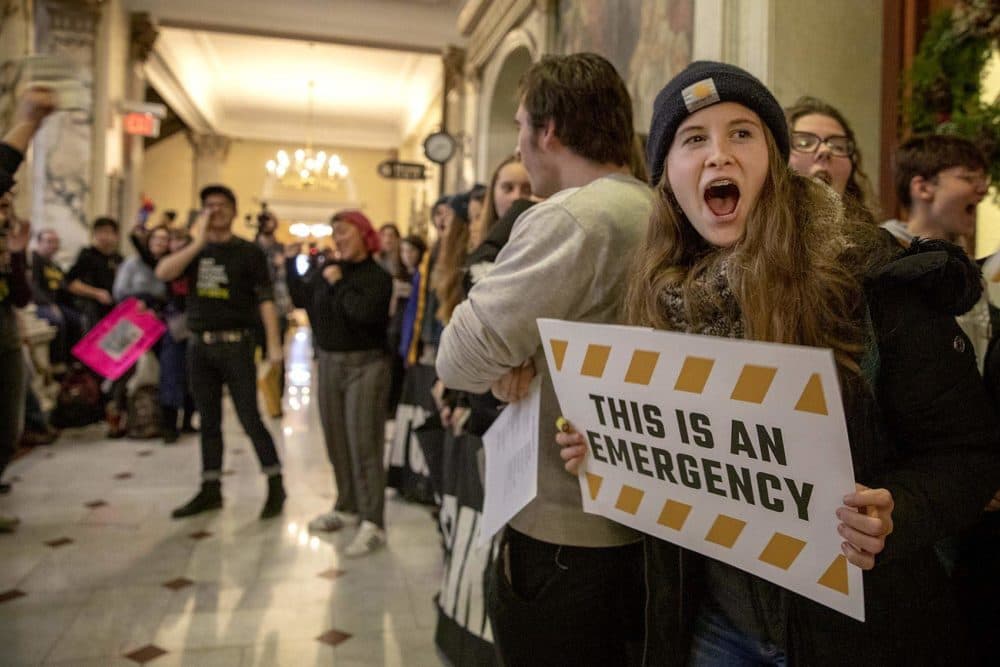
446,276
795,272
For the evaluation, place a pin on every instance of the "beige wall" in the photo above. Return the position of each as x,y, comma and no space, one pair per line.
244,172
988,222
832,50
413,198
168,173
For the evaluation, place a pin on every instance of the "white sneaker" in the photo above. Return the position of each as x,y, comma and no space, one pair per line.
369,538
333,520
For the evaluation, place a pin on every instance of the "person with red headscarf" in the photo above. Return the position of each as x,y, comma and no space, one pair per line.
347,299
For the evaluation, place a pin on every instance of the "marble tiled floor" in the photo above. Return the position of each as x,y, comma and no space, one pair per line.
241,592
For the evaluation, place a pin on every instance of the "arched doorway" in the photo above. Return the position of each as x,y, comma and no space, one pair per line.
501,133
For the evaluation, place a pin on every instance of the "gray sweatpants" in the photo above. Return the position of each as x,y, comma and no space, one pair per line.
353,394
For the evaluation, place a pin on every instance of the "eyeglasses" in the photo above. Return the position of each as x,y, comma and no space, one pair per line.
807,142
976,180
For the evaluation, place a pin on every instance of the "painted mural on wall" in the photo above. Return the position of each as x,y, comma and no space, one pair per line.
648,41
62,148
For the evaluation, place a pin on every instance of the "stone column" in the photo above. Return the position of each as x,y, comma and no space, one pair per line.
453,121
142,36
61,151
210,152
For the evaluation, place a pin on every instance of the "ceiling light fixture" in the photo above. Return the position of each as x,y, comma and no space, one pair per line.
307,169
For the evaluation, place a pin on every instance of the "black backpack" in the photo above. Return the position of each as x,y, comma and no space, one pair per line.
79,400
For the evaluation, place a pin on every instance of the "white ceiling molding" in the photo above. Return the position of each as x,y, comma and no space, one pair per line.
425,25
160,76
257,87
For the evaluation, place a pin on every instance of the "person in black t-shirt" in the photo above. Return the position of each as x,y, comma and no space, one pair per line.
230,287
32,108
92,276
53,301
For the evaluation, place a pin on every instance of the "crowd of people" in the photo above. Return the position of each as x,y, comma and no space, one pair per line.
742,220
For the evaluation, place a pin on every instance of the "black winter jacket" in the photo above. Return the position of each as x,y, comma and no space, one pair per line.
927,431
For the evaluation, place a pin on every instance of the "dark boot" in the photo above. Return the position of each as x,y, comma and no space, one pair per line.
209,498
275,497
169,424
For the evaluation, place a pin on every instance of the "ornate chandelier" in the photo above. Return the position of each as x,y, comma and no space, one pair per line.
307,169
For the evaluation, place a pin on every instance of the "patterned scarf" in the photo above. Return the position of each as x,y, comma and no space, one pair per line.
711,310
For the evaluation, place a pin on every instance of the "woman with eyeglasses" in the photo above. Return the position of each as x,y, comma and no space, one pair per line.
824,147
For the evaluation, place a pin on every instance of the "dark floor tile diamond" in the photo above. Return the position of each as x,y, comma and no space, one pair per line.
94,504
145,452
145,654
16,479
178,583
12,594
60,542
333,637
226,473
200,535
331,574
48,455
123,475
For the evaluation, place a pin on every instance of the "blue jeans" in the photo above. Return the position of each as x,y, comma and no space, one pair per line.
718,644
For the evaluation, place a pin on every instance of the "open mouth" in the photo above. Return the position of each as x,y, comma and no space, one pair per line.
722,197
970,209
824,176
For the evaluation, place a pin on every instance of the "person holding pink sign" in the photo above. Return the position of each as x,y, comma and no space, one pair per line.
230,288
738,246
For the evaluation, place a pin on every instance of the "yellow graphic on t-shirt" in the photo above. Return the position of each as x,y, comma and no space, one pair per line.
213,281
53,277
4,289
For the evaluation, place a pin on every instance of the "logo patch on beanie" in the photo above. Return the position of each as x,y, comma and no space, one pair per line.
700,94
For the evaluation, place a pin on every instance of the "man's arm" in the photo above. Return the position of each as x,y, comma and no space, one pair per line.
269,316
545,270
174,264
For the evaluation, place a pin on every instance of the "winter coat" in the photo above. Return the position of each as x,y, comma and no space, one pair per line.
927,431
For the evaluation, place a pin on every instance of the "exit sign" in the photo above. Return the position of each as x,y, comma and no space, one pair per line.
142,124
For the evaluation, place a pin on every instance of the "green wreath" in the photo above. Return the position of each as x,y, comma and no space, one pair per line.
946,79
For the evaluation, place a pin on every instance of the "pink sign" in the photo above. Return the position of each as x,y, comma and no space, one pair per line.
117,341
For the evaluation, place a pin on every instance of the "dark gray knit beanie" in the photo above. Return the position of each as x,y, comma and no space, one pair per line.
702,84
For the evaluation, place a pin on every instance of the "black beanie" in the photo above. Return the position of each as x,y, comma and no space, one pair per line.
460,205
702,84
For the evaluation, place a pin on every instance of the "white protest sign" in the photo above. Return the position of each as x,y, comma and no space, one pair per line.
511,447
733,449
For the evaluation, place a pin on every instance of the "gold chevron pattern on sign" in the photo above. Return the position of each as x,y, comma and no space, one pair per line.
559,352
629,499
640,370
752,386
595,360
754,383
835,576
694,375
674,514
782,551
594,484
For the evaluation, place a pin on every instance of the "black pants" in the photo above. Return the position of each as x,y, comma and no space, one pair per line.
15,382
230,364
566,605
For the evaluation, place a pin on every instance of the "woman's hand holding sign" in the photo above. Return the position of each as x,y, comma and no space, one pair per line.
573,447
866,520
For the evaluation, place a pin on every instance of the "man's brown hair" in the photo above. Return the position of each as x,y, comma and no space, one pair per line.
928,155
587,101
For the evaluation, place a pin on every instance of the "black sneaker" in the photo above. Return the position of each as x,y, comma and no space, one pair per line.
209,498
275,498
170,437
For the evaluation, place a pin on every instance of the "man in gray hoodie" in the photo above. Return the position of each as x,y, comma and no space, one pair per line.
568,586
